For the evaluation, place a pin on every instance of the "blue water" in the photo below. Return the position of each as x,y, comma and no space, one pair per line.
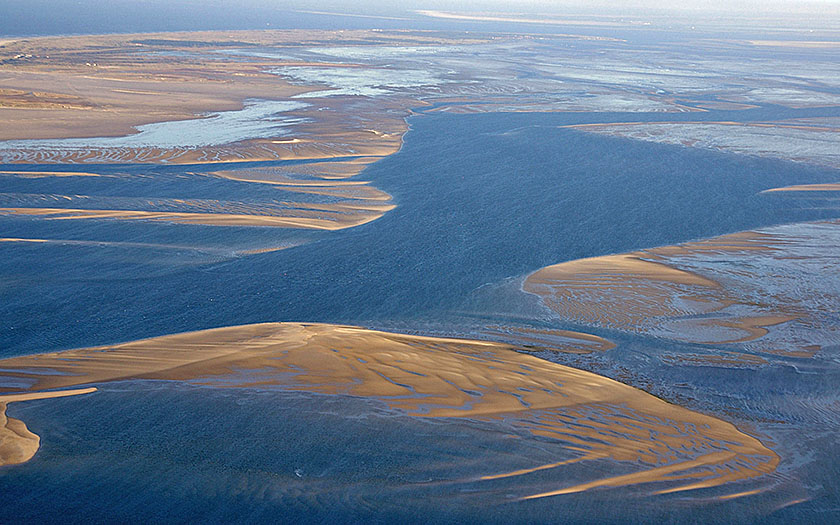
167,452
481,199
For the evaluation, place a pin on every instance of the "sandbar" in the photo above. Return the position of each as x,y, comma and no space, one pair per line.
17,443
807,187
590,417
706,292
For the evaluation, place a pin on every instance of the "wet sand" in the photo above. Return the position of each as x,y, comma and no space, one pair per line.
565,341
109,85
41,174
707,292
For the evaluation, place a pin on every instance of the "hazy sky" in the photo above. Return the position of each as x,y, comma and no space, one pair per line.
42,17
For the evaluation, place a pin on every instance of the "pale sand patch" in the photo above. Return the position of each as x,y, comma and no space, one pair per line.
41,174
16,239
257,251
807,187
586,415
525,20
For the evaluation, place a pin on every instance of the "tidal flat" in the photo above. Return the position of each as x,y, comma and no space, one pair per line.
374,275
450,296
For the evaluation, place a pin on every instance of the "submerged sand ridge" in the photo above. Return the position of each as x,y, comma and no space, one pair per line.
585,416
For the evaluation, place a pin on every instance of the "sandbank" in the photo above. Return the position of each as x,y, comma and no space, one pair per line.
586,415
41,174
701,292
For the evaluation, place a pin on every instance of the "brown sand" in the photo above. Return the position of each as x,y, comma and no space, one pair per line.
107,85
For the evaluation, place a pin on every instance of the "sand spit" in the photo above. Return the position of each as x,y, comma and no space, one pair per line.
807,187
17,443
749,289
303,189
333,218
806,44
18,239
630,289
524,20
586,416
42,174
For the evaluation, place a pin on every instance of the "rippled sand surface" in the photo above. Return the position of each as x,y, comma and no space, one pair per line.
760,290
594,417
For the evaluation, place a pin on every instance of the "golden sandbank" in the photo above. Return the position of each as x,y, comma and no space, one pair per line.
682,292
41,174
586,416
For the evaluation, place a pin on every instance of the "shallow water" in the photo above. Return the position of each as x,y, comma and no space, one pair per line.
483,200
480,199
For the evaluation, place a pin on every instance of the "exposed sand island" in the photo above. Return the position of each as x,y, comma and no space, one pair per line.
748,289
588,416
185,98
328,217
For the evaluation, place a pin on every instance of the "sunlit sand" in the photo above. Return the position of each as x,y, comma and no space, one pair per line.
17,443
588,415
41,174
684,292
